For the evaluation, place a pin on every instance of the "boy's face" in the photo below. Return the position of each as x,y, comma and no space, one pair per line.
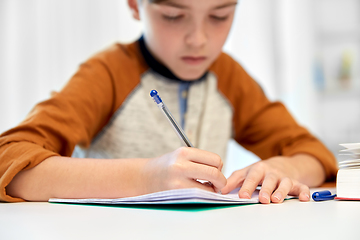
186,35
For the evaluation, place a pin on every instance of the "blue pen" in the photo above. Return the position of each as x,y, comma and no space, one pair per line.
179,131
323,196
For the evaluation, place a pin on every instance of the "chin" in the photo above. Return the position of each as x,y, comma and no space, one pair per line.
190,75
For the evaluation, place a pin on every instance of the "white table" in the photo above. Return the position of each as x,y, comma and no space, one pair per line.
290,220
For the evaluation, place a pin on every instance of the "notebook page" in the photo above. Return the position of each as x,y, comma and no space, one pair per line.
190,195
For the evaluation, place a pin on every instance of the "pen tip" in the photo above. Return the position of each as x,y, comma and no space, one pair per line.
153,93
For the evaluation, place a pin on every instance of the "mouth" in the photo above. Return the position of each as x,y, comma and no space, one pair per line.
193,60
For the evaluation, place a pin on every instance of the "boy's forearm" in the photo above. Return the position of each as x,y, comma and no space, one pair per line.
64,177
309,170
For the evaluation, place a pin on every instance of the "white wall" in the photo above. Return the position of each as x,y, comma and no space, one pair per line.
295,47
251,42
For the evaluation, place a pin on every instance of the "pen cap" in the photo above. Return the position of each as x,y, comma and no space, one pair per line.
323,195
154,94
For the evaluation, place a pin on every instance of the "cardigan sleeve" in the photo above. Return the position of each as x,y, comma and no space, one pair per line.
263,127
53,128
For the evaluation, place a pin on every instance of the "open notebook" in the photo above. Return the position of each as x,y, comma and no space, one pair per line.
177,196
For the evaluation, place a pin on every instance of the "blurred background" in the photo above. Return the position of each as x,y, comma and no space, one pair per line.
304,53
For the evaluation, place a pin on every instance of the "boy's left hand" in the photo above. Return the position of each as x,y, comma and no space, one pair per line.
276,177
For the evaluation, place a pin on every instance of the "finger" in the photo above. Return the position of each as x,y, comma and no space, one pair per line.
252,180
268,186
208,183
300,190
282,191
195,184
207,173
200,156
217,190
234,181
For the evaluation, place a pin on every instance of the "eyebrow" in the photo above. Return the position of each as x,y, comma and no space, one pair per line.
173,4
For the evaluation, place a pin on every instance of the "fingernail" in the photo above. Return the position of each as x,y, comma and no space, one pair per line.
307,196
266,196
278,196
246,195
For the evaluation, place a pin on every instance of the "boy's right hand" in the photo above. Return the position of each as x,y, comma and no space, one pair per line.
182,168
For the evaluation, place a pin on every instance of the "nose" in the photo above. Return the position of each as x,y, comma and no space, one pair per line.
197,36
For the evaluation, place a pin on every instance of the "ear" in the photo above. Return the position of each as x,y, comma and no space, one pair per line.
134,6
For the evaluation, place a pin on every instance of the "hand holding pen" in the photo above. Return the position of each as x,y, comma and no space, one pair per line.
183,167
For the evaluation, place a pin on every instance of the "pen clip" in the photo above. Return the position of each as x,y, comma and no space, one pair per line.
323,196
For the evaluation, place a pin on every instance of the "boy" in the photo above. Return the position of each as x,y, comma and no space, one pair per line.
105,110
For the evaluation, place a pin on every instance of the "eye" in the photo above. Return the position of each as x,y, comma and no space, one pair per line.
218,18
172,18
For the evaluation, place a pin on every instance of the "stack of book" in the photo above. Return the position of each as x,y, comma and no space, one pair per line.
348,176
